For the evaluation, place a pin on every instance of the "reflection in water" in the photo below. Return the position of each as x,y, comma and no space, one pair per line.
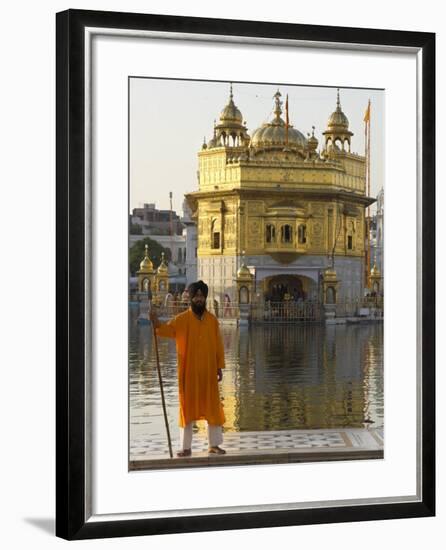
276,378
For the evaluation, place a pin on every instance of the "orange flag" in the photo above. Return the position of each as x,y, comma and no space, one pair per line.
367,113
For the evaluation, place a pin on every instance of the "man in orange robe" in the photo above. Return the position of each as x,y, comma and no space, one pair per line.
200,357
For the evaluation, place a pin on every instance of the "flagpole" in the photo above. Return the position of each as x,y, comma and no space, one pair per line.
368,191
287,121
160,380
367,224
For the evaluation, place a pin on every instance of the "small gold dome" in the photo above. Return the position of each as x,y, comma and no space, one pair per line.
312,141
213,142
146,265
375,272
338,120
162,269
231,113
330,274
231,131
243,272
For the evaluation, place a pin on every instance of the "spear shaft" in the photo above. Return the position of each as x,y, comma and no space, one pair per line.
160,379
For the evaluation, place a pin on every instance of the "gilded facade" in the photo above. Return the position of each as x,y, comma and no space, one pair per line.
276,202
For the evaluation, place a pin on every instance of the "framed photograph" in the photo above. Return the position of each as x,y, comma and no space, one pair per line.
294,278
240,343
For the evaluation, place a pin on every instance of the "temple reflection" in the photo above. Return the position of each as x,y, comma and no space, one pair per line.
276,378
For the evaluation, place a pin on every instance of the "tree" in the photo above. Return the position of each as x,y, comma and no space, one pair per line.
137,252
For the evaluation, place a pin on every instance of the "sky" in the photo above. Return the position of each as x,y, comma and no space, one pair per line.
170,118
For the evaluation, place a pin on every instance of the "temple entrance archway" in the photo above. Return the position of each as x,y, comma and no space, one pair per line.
286,287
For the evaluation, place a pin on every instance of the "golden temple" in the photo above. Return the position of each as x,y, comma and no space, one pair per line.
276,205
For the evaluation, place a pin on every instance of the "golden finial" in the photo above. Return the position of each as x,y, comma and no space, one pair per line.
278,104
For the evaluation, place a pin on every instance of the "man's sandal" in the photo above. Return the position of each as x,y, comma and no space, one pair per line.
216,451
184,453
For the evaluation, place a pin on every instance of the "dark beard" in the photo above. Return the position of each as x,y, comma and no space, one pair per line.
198,309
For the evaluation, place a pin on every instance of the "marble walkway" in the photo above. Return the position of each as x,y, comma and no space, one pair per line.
253,447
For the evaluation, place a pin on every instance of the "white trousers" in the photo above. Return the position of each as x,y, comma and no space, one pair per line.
215,436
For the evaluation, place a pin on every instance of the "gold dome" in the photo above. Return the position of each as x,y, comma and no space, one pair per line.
231,115
243,272
213,142
330,274
230,131
276,133
162,269
312,141
146,265
338,121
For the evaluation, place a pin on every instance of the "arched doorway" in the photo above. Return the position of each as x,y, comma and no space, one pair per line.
280,288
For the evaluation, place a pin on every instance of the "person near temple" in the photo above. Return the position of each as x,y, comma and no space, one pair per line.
200,361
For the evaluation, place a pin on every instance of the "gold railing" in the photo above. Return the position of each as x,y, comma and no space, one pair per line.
285,311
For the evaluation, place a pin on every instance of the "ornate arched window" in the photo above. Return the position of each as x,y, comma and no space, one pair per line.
286,233
302,233
215,235
270,235
339,143
350,236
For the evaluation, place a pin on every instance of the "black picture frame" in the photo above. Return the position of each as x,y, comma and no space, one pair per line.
71,476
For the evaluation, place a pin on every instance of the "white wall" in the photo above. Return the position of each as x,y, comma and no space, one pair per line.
27,183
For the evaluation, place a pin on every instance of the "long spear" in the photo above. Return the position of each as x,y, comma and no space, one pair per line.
155,340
